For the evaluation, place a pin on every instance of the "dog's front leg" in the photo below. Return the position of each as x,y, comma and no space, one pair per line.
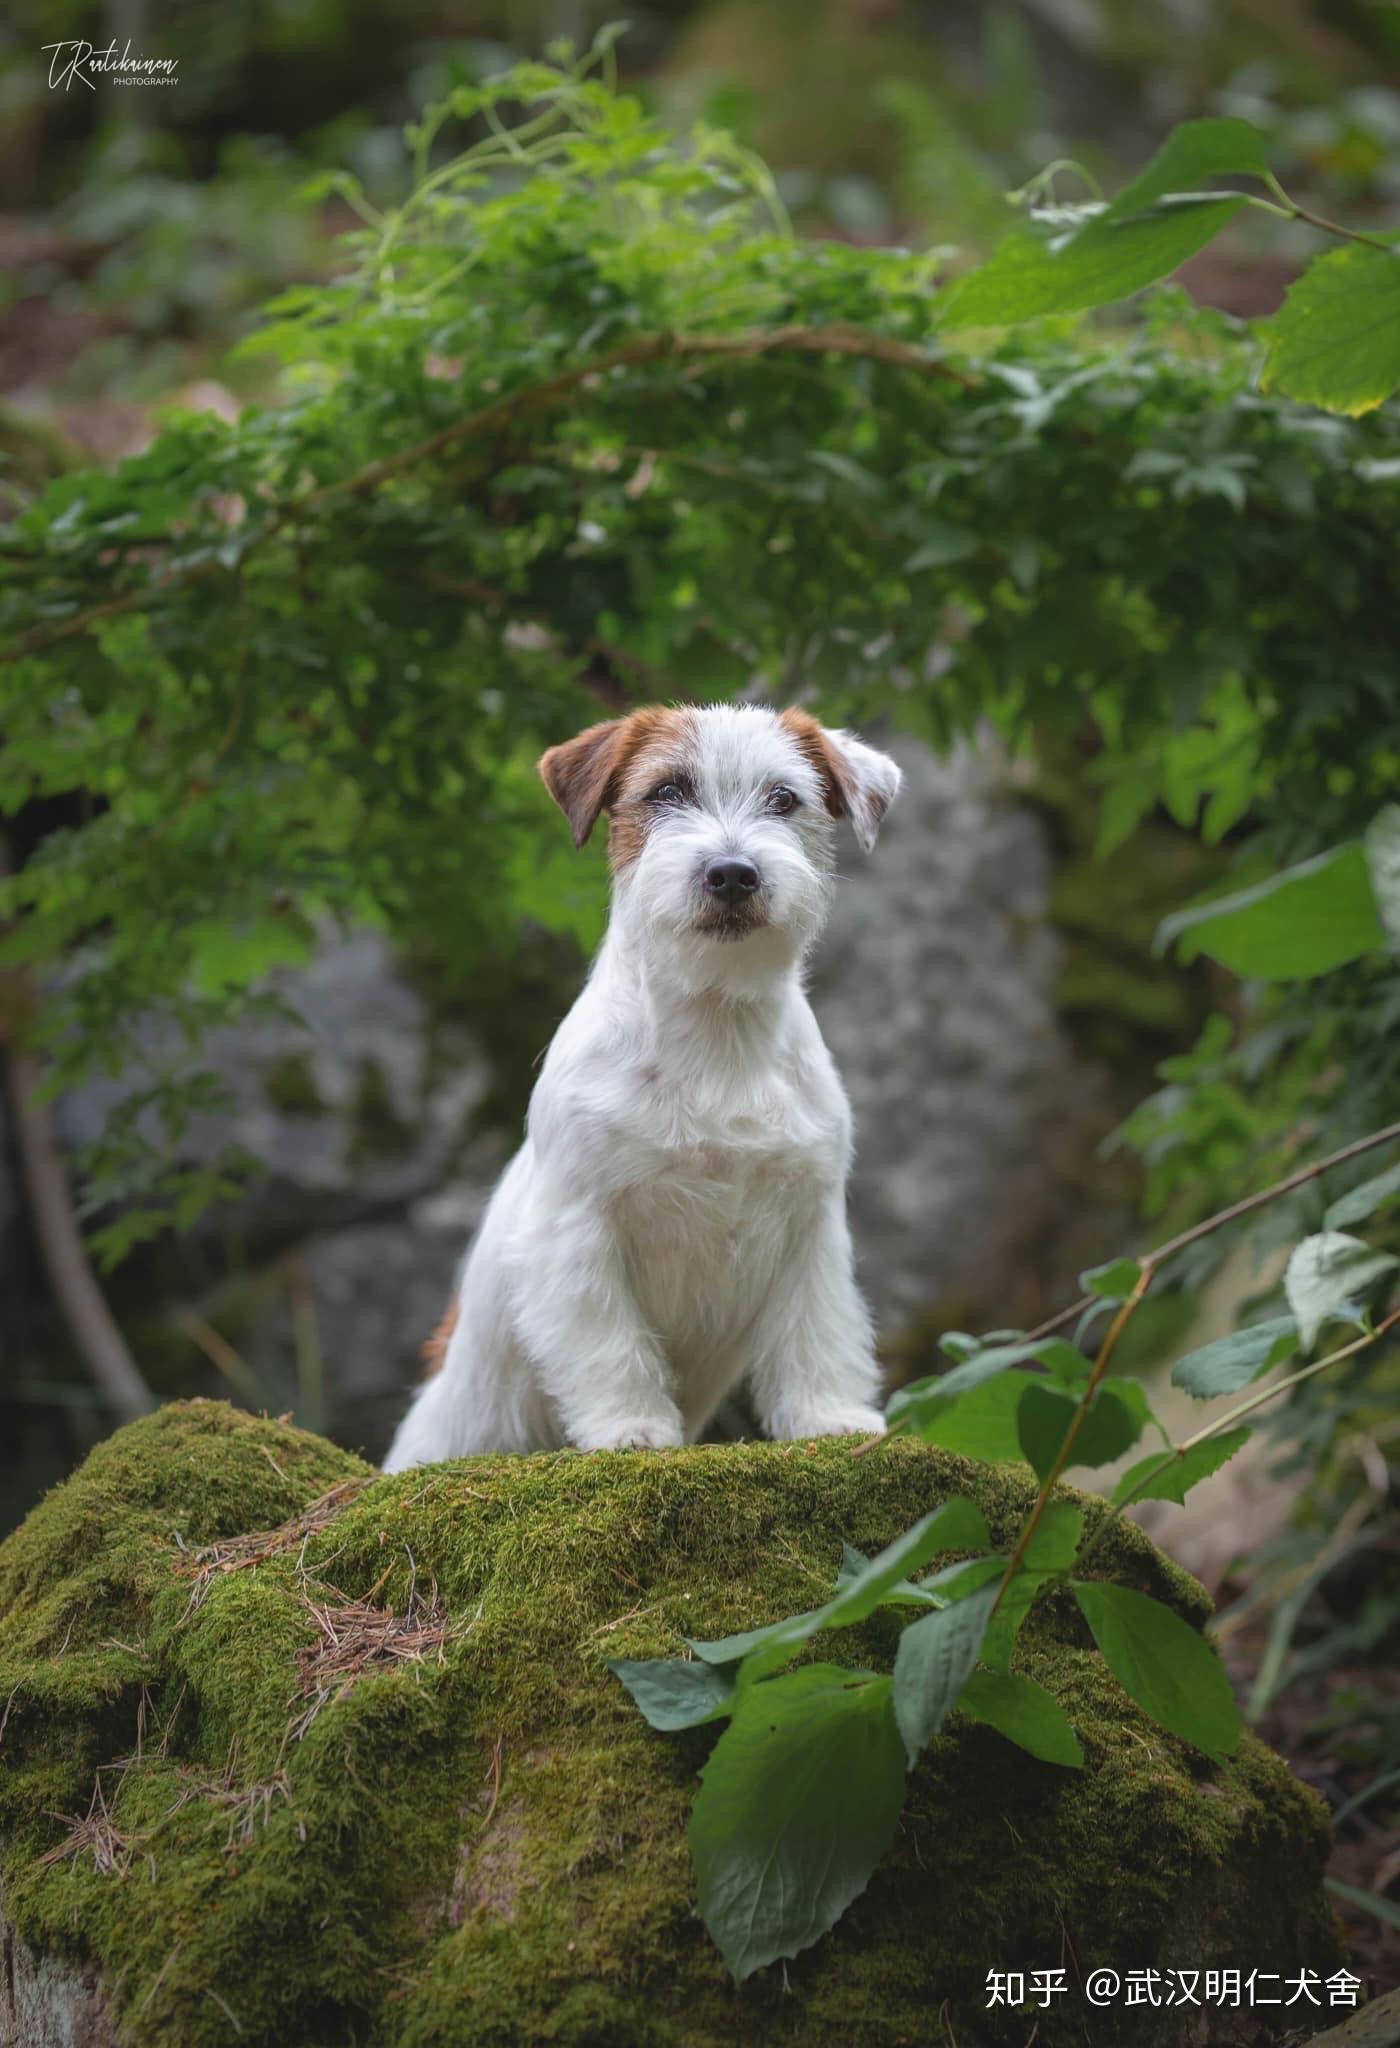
814,1371
594,1355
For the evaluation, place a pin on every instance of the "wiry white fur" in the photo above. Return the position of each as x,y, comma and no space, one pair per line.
675,1220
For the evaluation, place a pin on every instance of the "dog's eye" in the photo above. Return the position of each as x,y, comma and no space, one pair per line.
667,793
781,799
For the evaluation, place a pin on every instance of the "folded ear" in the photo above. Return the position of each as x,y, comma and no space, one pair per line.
859,782
579,775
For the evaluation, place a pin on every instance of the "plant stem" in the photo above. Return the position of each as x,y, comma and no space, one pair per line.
1062,1456
1222,1423
1237,1209
1291,210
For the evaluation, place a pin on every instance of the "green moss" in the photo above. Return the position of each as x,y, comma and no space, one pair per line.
487,1845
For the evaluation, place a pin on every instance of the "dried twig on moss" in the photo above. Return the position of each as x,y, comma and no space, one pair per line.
357,1640
236,1553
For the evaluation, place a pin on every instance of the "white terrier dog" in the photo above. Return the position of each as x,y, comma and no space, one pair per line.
675,1221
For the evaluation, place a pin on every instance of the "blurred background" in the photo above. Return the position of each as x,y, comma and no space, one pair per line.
991,996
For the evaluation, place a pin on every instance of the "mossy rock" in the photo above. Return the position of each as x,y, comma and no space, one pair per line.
368,1780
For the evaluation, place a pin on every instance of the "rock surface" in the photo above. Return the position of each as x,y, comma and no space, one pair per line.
364,1776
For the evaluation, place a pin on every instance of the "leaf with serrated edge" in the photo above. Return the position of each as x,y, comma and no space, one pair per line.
1175,1478
1329,1275
674,1693
1161,1662
931,1666
798,1802
1230,1363
1025,1713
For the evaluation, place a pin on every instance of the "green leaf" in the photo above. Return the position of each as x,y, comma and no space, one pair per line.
1176,1476
1193,151
924,1401
1330,1275
978,1424
958,1525
1112,1426
1024,1712
1031,275
1301,923
932,1663
797,1804
1382,843
1052,1549
1335,340
940,545
951,1583
1115,1281
1363,1201
1230,1363
673,1693
1382,1909
1162,1663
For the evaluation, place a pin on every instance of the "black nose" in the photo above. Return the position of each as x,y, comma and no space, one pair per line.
731,880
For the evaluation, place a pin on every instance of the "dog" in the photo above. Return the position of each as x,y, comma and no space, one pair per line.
675,1221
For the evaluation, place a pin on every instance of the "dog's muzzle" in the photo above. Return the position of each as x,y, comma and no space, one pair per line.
731,904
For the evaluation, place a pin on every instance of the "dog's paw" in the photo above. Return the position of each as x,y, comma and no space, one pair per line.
849,1420
634,1436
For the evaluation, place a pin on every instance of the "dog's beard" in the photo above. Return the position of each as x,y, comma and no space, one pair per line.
729,921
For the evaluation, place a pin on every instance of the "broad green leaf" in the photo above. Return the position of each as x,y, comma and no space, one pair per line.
1193,151
951,1583
797,1804
1032,274
925,1400
1363,1201
1228,1364
673,1693
1330,1275
931,1666
958,1524
980,1423
1382,843
1024,1712
1115,1281
1111,1427
1301,923
1175,1476
1162,1663
1335,340
1051,1551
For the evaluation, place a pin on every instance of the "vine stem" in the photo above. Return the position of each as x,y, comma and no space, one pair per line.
837,339
1291,210
1225,1422
1071,1435
1237,1209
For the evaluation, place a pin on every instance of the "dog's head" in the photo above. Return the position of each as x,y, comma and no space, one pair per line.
721,822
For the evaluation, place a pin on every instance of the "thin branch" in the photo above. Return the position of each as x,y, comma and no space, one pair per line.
82,1302
1291,210
1071,1435
1225,1422
1151,1260
837,339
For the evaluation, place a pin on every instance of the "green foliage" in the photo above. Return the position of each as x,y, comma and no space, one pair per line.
798,1802
1336,342
1163,1663
580,418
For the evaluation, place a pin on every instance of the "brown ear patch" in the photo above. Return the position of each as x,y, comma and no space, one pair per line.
585,775
814,742
434,1352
